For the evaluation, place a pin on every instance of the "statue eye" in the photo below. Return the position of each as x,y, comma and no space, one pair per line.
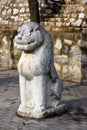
31,30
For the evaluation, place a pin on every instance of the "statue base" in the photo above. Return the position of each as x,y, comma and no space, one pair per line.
39,114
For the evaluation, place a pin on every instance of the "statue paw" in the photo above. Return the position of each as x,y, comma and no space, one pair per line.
38,112
39,109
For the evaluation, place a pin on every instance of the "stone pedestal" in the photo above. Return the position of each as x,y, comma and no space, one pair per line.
40,86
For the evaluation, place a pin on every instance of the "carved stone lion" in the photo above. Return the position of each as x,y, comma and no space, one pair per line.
40,86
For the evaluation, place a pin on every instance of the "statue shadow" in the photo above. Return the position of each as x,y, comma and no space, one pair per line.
76,104
77,109
75,98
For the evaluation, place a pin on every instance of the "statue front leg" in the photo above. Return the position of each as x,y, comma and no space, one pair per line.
22,89
22,106
39,85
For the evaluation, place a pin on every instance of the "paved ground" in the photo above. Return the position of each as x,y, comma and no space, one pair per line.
74,95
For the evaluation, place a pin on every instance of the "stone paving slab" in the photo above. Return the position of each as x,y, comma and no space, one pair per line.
74,95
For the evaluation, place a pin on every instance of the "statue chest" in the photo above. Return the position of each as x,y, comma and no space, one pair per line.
28,65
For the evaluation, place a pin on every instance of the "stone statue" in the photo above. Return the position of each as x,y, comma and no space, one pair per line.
40,86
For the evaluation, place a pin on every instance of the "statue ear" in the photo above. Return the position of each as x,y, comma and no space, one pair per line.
36,28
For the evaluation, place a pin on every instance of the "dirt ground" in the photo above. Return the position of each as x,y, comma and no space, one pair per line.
74,95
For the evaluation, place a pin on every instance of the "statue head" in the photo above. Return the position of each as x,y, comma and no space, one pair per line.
29,37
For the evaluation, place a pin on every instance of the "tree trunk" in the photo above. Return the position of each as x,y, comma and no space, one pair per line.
34,11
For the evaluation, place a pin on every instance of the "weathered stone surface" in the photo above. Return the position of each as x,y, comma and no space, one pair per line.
22,10
74,70
15,11
58,68
40,93
81,15
62,59
75,50
65,49
75,1
58,44
77,23
68,42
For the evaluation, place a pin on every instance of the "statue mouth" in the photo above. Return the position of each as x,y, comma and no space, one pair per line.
25,46
24,43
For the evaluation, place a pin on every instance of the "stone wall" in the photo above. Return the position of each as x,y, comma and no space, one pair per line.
68,26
